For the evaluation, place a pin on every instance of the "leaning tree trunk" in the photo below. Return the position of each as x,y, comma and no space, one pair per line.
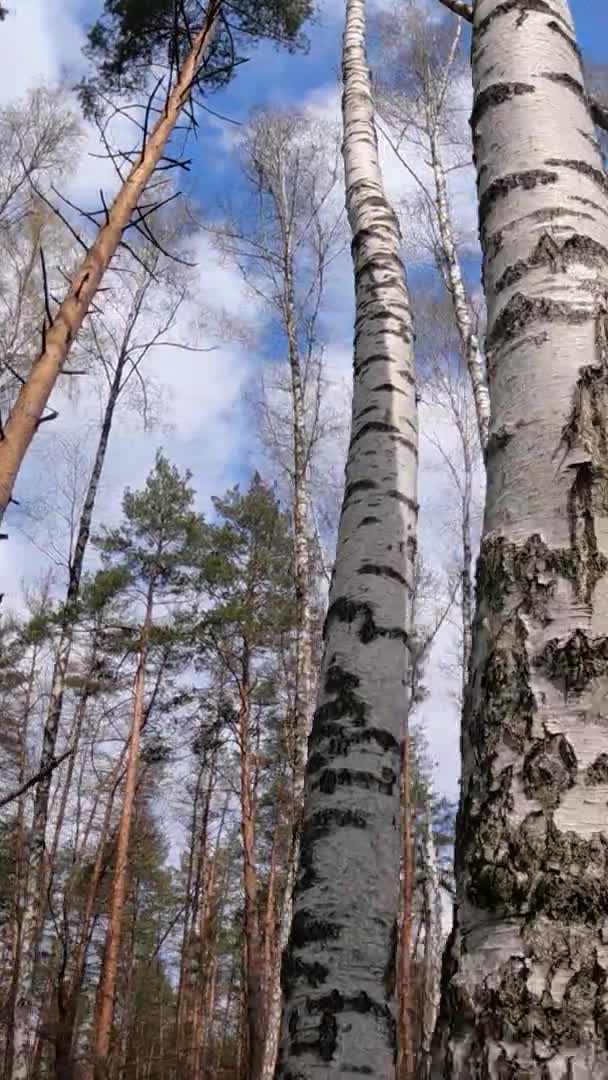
525,977
26,414
339,969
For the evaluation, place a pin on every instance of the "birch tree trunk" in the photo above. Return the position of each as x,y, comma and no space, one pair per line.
462,307
339,969
525,976
303,673
26,414
109,971
406,1026
431,961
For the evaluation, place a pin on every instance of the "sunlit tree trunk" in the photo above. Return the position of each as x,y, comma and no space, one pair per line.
524,980
406,1026
339,969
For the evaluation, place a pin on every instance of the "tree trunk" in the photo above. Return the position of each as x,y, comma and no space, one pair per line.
33,397
254,960
431,961
406,1027
460,301
303,696
524,980
339,970
107,986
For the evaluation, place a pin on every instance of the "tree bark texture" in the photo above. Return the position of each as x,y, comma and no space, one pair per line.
525,980
406,996
463,313
27,412
339,968
431,960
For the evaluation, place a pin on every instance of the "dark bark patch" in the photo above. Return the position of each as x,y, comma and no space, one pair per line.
357,487
378,427
597,772
549,770
521,311
597,176
392,493
306,928
390,972
379,570
321,824
567,81
504,185
524,7
330,779
350,611
369,520
388,388
294,969
578,249
574,663
497,94
557,29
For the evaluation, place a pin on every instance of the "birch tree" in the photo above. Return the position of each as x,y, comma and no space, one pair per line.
525,974
198,42
283,251
422,62
340,965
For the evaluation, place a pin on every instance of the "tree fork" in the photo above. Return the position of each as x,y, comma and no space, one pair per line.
25,417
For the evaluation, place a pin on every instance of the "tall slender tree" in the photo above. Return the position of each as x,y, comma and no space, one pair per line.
197,39
339,970
524,980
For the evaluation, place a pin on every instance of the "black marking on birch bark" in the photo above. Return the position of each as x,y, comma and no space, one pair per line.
320,824
578,248
597,176
306,928
524,7
521,311
400,497
502,187
338,742
330,779
364,412
341,685
356,487
589,202
384,571
378,427
369,520
549,770
574,663
494,241
597,773
557,29
567,81
499,439
349,611
294,970
497,94
388,388
591,139
329,1006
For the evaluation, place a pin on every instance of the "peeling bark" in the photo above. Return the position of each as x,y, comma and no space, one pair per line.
525,977
339,1017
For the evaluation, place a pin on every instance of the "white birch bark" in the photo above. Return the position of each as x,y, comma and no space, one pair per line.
303,673
339,969
460,301
526,971
431,962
